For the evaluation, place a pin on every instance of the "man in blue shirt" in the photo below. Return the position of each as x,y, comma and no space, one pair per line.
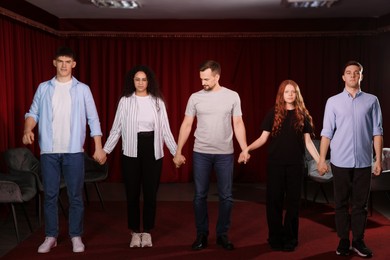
62,107
352,125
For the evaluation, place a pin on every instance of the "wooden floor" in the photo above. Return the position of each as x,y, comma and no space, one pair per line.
167,192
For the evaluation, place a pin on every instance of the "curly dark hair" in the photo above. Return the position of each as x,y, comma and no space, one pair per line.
301,113
153,86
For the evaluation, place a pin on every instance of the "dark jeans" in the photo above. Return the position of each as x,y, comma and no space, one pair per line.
351,192
71,166
284,184
203,165
143,171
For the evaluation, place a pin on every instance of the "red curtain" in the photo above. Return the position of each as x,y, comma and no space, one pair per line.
252,65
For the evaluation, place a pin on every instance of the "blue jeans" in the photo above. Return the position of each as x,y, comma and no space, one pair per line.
203,164
71,166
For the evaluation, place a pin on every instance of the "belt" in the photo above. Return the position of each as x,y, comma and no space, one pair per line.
146,134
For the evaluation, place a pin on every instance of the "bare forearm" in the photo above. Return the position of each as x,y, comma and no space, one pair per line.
240,133
29,124
183,137
324,146
241,137
378,147
28,134
98,142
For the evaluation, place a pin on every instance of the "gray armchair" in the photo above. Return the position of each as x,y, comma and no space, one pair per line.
313,176
381,182
17,189
21,161
94,173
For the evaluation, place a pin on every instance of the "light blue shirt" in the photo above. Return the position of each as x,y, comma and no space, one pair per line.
351,123
83,109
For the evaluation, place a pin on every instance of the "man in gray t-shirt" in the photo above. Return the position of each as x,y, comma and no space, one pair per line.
215,108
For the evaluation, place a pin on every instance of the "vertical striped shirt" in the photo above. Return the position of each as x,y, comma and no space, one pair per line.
126,126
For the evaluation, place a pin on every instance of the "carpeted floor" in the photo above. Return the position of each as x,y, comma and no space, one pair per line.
106,235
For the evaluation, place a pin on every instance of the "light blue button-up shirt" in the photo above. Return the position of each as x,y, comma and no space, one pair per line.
351,123
83,109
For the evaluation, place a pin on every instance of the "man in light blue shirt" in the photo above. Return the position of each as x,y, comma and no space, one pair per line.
62,107
352,125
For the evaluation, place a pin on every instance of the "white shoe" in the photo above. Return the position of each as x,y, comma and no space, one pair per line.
48,244
146,240
135,240
78,245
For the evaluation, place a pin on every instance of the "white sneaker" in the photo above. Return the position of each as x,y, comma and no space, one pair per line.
135,240
146,240
48,244
78,245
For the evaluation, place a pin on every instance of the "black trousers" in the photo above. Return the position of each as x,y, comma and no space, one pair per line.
351,192
284,183
142,173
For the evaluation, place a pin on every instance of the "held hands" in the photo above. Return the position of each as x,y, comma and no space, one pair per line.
28,137
178,160
244,156
322,168
100,156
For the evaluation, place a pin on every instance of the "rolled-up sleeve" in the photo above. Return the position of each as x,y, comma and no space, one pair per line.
377,119
92,114
329,122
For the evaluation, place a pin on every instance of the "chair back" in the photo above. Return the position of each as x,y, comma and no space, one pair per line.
93,170
382,182
10,192
386,160
311,166
21,159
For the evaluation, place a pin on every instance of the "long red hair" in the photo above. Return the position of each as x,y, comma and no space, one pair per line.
281,112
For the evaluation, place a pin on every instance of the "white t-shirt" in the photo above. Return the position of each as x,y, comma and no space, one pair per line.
61,104
145,114
214,112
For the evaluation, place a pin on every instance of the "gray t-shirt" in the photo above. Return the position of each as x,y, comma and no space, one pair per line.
214,111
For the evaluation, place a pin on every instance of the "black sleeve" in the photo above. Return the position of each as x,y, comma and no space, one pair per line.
268,121
307,128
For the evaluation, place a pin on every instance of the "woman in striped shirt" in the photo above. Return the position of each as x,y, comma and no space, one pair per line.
142,122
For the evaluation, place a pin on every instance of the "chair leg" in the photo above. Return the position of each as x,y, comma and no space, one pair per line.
316,194
324,193
86,193
99,194
305,189
27,218
38,203
387,194
15,222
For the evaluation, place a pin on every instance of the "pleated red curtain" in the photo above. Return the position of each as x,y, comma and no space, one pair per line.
253,66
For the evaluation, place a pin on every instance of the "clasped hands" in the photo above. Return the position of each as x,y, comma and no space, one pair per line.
244,156
178,160
100,156
322,168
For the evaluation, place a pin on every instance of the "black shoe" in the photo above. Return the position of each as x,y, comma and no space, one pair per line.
343,248
224,242
200,242
361,249
276,244
290,245
276,247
